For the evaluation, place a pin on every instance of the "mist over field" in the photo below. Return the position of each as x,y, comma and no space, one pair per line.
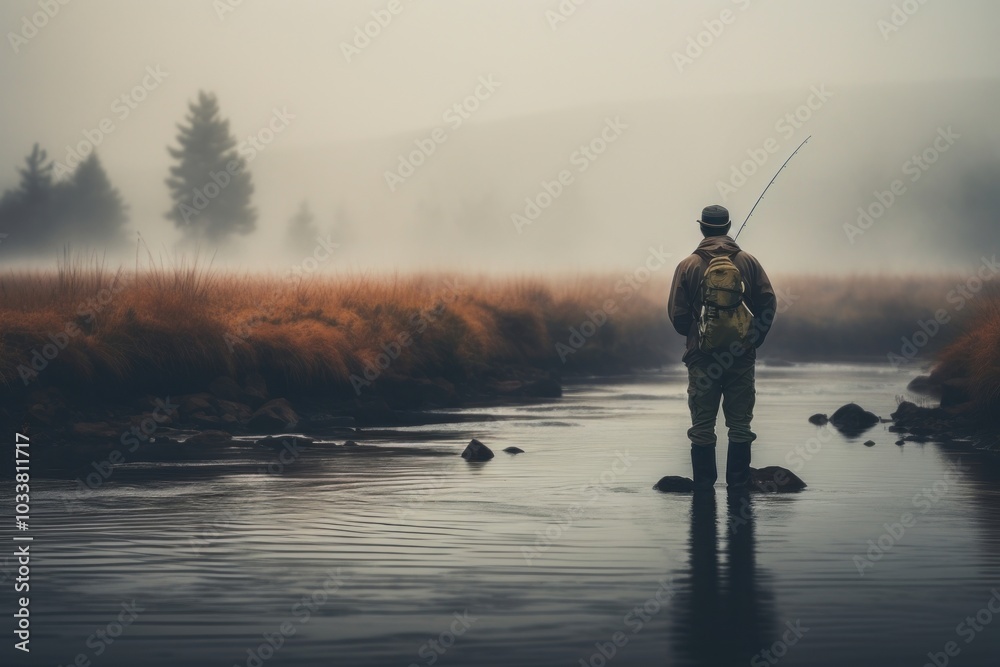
530,136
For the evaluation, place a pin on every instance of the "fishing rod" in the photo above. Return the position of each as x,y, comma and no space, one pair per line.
770,184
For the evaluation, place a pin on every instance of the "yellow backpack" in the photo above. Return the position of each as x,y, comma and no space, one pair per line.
724,317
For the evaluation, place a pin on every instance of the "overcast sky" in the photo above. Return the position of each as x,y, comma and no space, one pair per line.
65,77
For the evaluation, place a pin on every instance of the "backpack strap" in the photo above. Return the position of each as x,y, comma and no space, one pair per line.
708,257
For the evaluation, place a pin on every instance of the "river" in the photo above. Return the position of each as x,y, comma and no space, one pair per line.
408,555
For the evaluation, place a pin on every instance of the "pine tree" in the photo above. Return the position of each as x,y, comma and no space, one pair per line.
26,213
90,207
43,214
302,230
210,185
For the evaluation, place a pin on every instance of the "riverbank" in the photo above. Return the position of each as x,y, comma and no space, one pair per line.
965,382
90,354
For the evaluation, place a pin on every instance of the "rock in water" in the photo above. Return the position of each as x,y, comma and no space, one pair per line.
210,439
673,484
477,451
819,419
853,420
273,417
775,479
514,450
869,443
285,442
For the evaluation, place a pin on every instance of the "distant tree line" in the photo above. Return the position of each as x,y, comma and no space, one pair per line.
209,184
44,213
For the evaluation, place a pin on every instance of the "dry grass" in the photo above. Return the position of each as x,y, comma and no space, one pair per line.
181,327
173,329
972,361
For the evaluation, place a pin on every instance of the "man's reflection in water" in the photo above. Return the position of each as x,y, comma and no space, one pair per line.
722,620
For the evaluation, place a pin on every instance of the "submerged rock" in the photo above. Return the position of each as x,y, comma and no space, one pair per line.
869,443
514,450
674,484
286,441
775,479
273,417
853,420
477,451
209,439
819,419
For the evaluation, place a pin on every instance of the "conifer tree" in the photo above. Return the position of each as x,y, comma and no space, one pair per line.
210,186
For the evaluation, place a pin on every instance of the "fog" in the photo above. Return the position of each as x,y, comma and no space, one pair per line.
900,98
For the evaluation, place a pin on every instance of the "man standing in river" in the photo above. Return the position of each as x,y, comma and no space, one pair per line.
722,301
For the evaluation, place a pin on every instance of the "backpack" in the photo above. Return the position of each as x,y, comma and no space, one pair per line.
724,317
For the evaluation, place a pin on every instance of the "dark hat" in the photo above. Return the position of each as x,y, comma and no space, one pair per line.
715,216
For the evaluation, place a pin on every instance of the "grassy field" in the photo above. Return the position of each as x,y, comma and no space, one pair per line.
971,363
174,329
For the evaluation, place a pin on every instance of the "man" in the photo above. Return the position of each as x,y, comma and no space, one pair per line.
725,374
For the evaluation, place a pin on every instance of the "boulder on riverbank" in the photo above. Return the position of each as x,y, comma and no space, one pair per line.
772,479
674,484
477,451
853,420
775,479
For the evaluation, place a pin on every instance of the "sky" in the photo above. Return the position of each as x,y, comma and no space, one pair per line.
696,88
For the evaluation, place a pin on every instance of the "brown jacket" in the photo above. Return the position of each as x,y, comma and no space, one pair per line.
683,305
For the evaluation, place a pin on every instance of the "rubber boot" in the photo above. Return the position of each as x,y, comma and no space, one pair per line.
703,466
738,465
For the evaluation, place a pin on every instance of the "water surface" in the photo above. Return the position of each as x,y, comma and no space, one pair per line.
559,556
